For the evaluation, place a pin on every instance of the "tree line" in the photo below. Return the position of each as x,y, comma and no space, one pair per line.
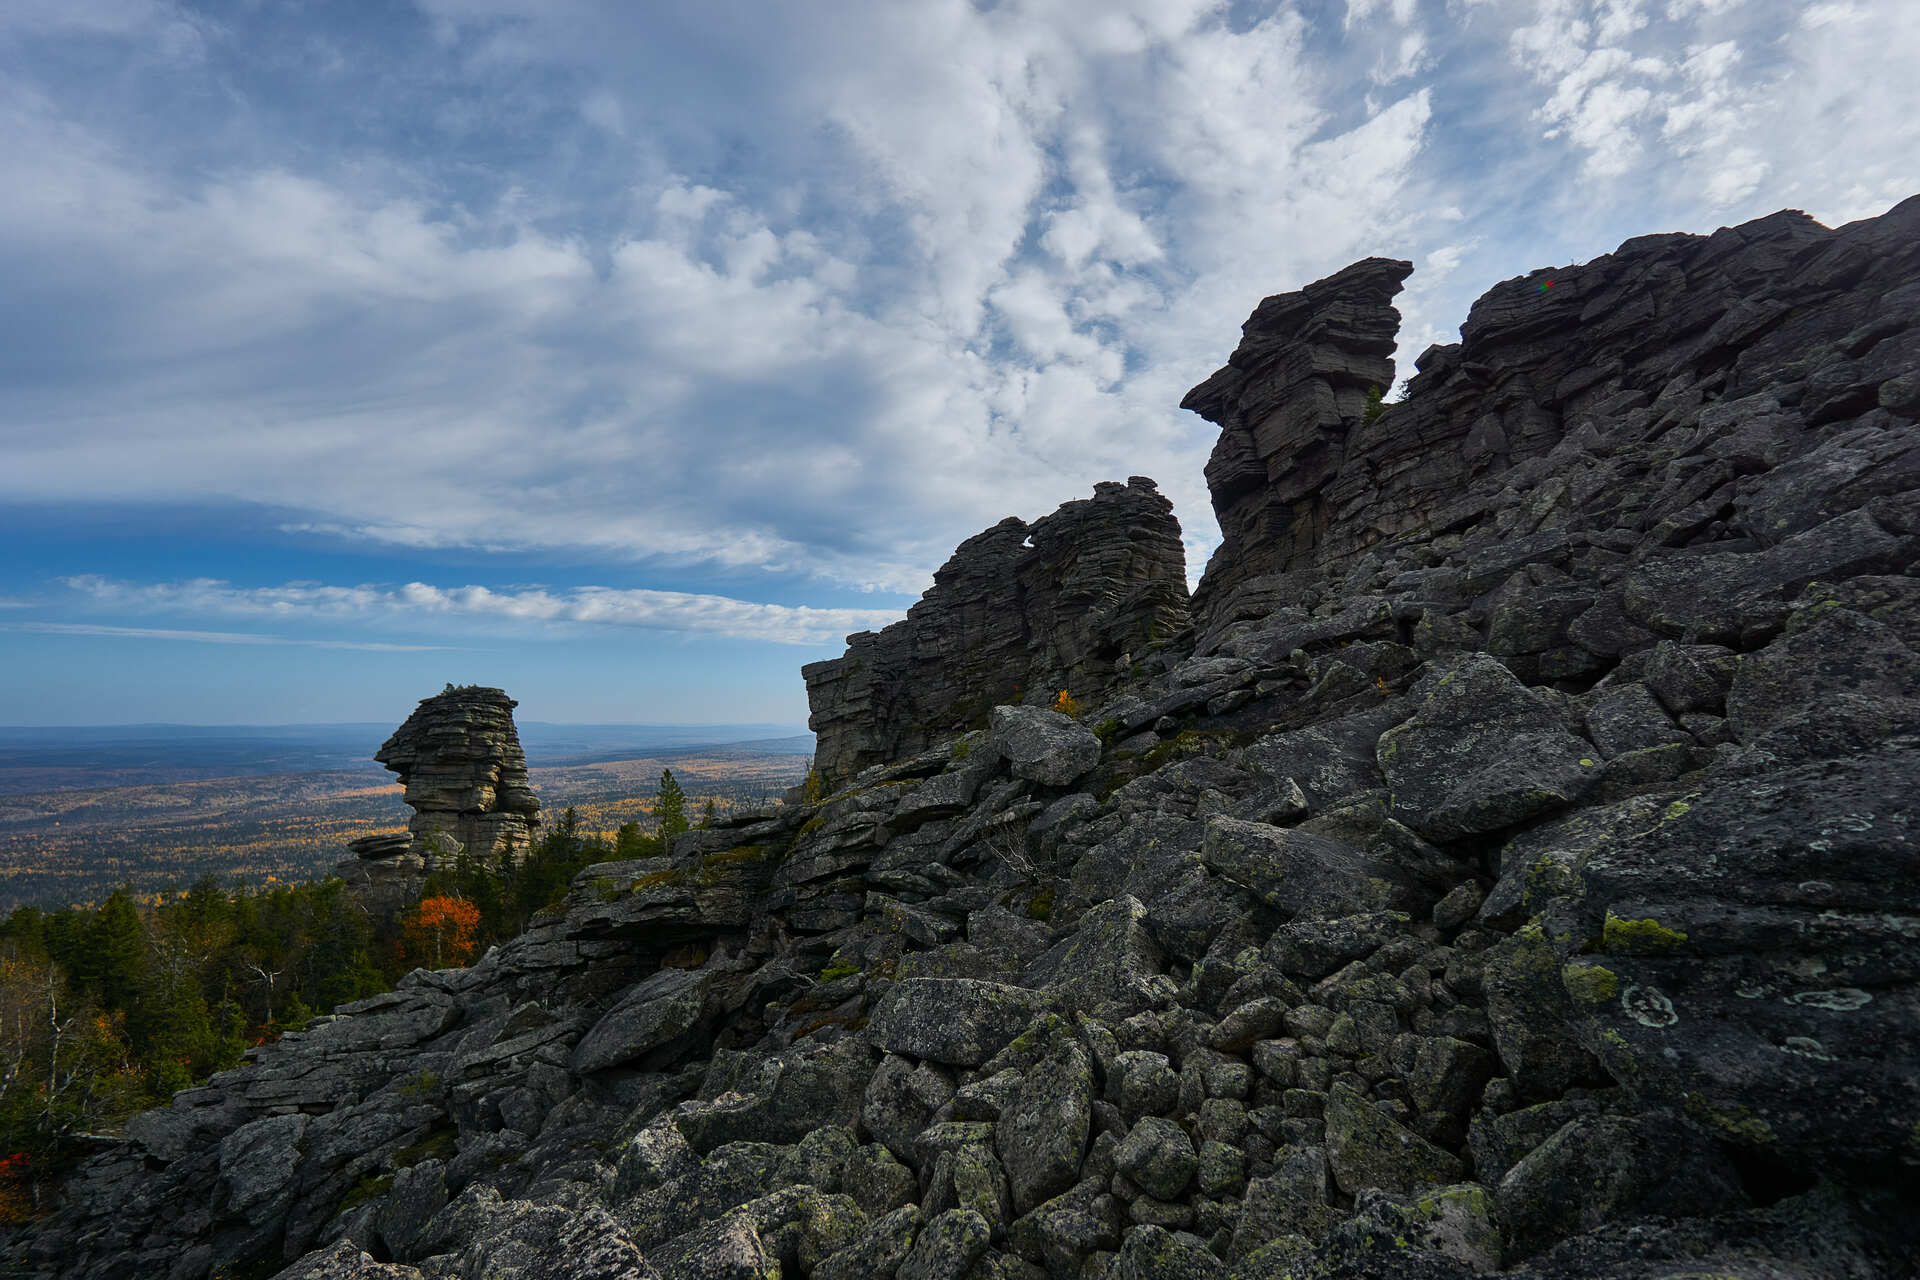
108,1010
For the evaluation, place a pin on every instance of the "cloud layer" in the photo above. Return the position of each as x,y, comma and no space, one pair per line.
802,295
417,604
101,631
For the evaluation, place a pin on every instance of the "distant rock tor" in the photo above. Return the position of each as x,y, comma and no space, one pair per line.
459,757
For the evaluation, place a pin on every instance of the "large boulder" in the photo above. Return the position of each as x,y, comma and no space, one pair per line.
1750,958
1597,1169
1299,873
1110,965
653,1013
1159,1156
1828,653
960,1022
1366,1148
1044,746
259,1161
1482,753
1042,1133
1722,595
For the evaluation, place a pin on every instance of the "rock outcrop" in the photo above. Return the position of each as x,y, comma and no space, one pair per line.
1309,369
459,757
385,875
1066,603
1525,888
1775,329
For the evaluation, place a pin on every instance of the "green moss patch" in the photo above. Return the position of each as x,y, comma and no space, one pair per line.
1589,983
437,1145
1620,934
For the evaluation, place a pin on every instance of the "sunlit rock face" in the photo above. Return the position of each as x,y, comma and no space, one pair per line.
459,757
1020,612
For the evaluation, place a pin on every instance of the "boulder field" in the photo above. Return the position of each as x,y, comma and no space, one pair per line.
1505,863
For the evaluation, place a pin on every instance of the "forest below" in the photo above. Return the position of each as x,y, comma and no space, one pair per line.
109,1009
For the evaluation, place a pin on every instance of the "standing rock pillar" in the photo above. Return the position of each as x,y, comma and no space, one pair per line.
459,757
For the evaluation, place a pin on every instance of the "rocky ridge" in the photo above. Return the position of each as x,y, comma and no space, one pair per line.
1510,873
1066,603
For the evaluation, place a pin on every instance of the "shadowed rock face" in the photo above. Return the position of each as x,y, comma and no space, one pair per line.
1287,403
459,757
1514,872
1068,602
1780,307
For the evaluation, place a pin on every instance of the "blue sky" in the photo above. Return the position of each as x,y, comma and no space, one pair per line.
629,355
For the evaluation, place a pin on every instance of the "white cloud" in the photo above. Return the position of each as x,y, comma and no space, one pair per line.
819,295
417,601
722,380
97,631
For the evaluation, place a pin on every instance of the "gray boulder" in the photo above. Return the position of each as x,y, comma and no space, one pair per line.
344,1260
1109,966
1044,746
1299,873
960,1022
1366,1148
1042,1135
653,1013
877,1253
1482,753
1598,1169
1749,958
258,1162
1159,1156
947,1247
1154,1253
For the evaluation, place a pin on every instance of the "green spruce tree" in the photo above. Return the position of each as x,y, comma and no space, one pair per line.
670,806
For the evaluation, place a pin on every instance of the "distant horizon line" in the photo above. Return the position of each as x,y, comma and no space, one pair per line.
357,724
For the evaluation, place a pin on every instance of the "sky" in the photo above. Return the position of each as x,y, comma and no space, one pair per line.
628,356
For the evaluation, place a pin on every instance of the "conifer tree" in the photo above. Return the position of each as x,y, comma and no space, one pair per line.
670,806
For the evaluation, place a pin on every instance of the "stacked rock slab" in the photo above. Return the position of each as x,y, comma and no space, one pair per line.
1533,892
1019,611
459,757
1287,403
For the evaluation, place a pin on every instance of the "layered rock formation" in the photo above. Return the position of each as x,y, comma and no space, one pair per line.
1304,478
1289,402
459,757
1526,891
385,875
1020,610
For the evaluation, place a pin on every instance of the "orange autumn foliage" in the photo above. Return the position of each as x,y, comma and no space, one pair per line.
440,931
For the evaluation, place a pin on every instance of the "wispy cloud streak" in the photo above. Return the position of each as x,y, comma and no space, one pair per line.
420,602
209,637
